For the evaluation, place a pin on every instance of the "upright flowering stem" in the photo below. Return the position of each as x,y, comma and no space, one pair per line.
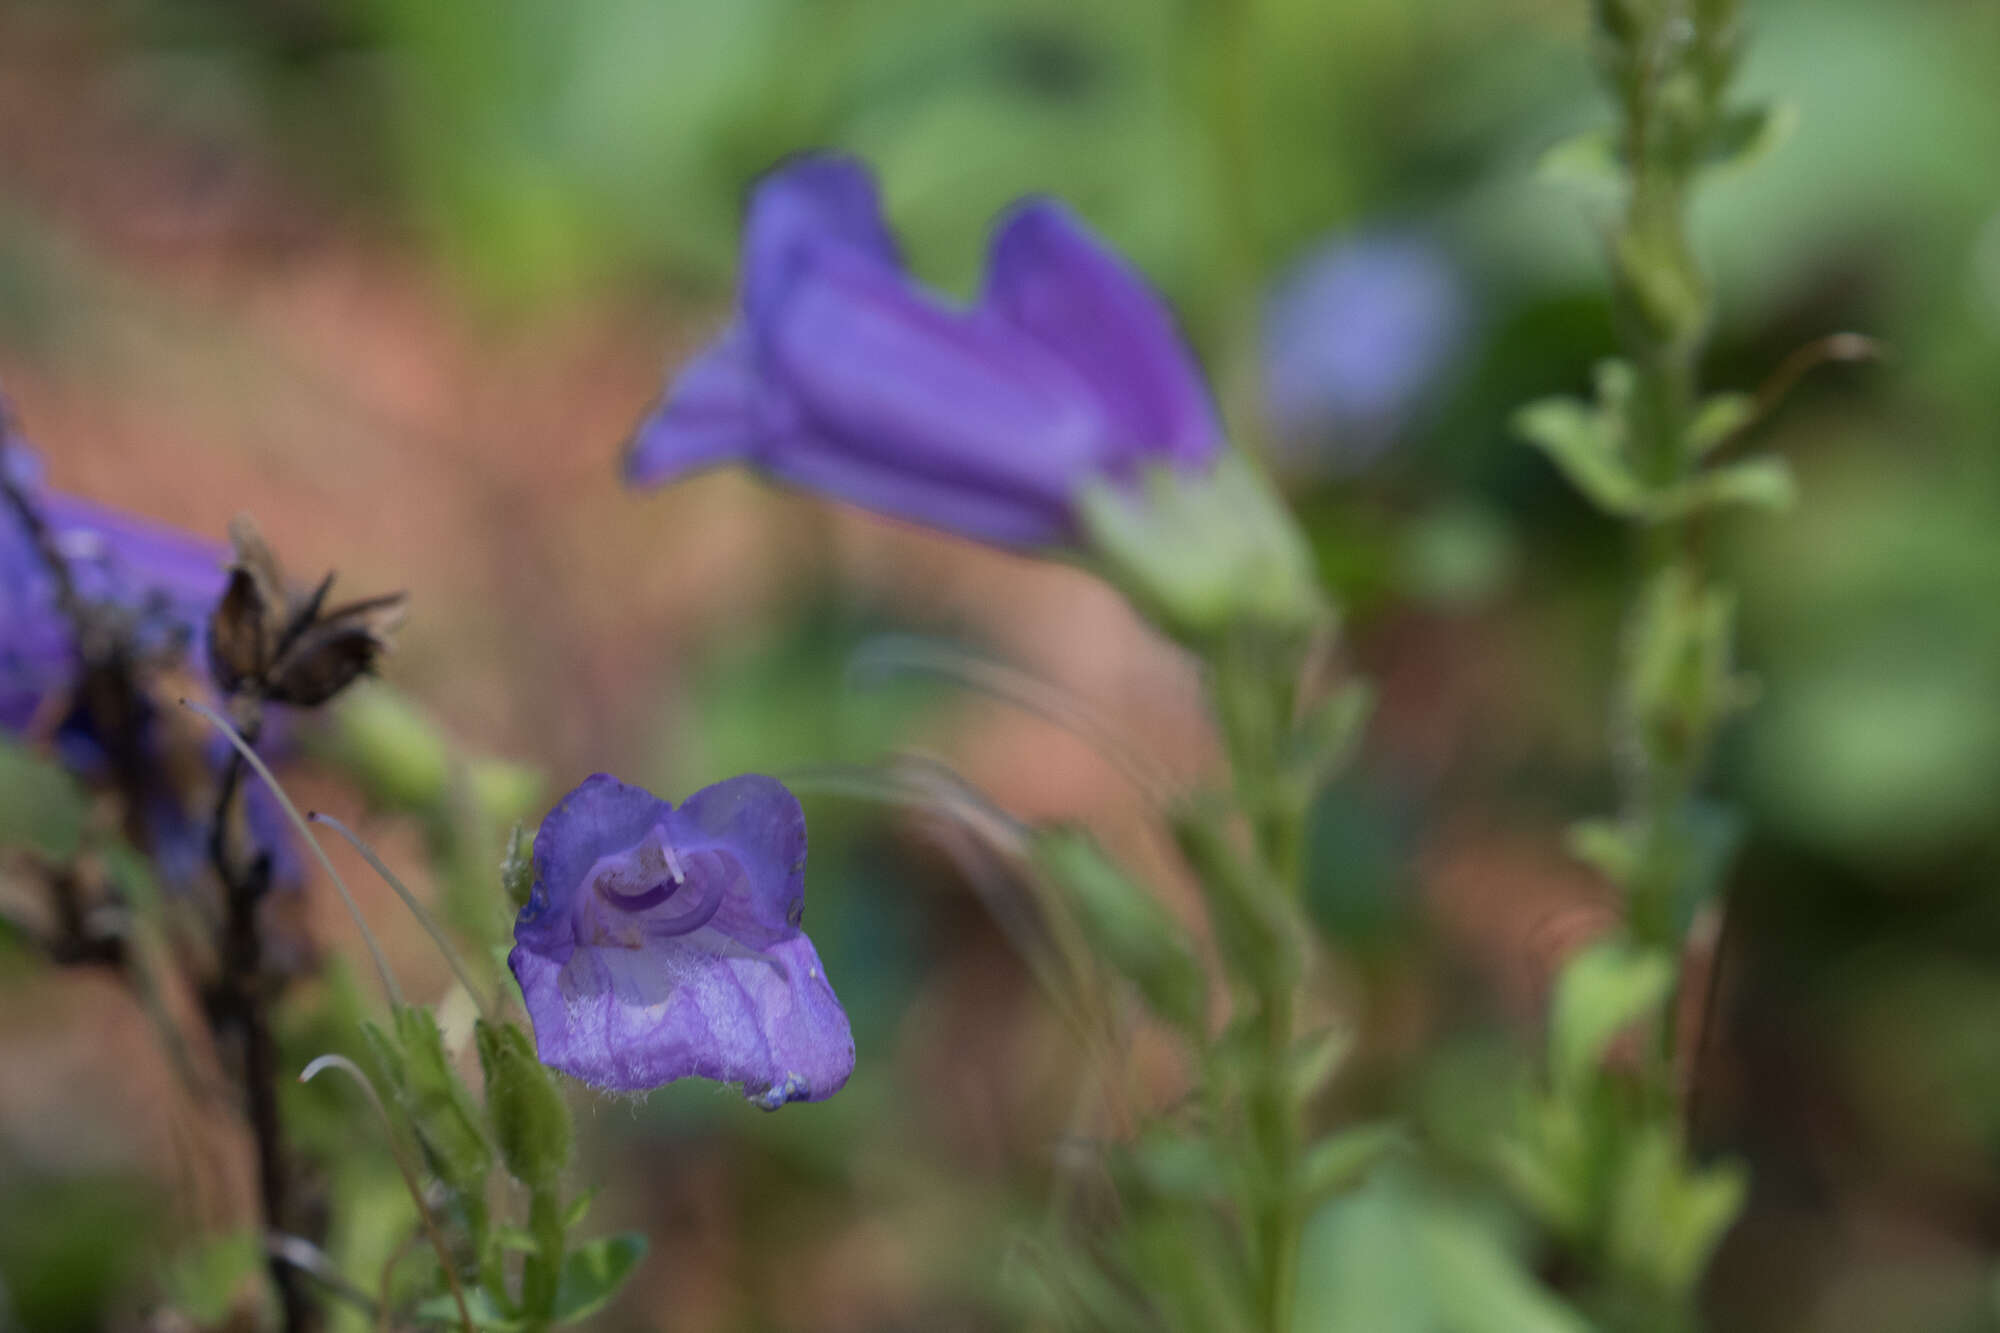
1645,451
1668,64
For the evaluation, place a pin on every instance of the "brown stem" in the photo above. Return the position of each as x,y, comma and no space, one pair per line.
243,1005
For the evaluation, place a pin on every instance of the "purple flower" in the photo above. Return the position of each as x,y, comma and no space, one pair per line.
842,375
163,581
1353,338
661,943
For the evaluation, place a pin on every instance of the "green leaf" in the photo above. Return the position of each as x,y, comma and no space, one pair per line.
1581,441
1479,1287
1587,161
593,1273
1397,1256
1668,1215
1602,991
1341,1161
1176,1166
1748,135
442,1309
1764,482
388,1058
446,1118
1314,1060
42,808
1548,1181
1606,846
1721,416
578,1207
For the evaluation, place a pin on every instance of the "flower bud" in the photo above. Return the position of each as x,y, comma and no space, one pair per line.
529,1117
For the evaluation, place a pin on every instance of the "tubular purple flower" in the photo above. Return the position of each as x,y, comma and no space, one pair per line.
164,579
661,943
842,375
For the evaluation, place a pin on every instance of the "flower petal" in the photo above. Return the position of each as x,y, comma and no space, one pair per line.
821,199
756,823
135,563
1050,278
884,488
709,416
698,1007
601,817
937,393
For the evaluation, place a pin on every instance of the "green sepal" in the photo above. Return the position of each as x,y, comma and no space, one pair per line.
1202,553
524,1105
517,867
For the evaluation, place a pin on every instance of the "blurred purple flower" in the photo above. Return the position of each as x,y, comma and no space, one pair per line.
1354,337
164,582
661,943
842,375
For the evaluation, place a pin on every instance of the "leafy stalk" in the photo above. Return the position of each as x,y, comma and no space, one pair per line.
1603,1159
1253,681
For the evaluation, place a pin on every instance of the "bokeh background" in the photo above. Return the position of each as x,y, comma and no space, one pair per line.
397,278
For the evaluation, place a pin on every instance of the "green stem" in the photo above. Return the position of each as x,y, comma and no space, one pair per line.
543,1269
1654,54
1253,680
1228,56
1280,1219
